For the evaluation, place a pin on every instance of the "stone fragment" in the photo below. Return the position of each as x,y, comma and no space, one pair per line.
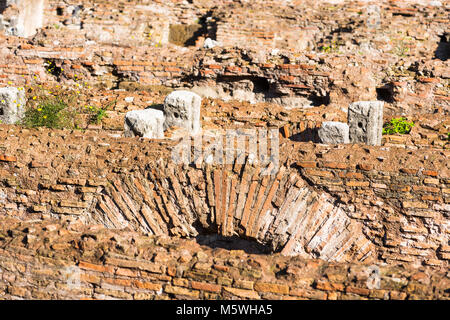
28,17
12,105
182,109
333,132
365,121
148,123
209,43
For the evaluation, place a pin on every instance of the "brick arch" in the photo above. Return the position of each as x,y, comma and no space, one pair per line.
280,211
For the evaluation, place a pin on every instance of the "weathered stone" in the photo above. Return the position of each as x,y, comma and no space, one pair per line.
12,105
209,43
333,132
365,121
146,123
29,19
182,109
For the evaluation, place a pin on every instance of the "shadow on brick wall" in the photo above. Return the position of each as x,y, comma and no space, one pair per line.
443,50
2,6
309,134
232,243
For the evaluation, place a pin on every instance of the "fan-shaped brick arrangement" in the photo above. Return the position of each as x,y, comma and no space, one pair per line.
279,210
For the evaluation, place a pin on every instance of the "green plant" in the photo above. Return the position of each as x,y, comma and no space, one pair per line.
97,114
51,112
398,125
331,48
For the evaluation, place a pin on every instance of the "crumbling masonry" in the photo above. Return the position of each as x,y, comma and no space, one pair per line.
109,205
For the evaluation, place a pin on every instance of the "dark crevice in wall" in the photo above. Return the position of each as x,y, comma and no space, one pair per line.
385,93
59,11
253,84
187,35
443,50
52,68
232,243
318,101
307,135
2,6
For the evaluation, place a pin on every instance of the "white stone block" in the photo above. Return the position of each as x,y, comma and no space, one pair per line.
148,123
182,109
333,132
12,105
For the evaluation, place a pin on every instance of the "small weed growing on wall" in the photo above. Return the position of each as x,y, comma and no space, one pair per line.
398,125
51,112
333,47
51,108
97,114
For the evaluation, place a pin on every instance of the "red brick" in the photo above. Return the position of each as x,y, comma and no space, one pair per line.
306,164
233,69
287,78
131,68
6,158
126,272
119,282
206,72
298,86
221,268
206,286
426,189
271,287
289,66
329,286
310,294
431,197
147,285
335,165
351,175
428,80
408,170
285,131
214,66
172,69
353,183
415,204
319,173
142,63
95,267
365,166
32,61
123,63
358,291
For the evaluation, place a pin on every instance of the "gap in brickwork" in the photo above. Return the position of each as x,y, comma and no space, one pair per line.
309,134
211,237
215,241
59,11
52,68
317,101
186,35
443,50
385,93
2,6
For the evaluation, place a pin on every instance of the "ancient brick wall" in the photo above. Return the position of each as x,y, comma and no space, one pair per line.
113,43
47,260
376,205
112,209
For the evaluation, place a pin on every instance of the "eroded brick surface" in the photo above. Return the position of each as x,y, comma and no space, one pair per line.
107,206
